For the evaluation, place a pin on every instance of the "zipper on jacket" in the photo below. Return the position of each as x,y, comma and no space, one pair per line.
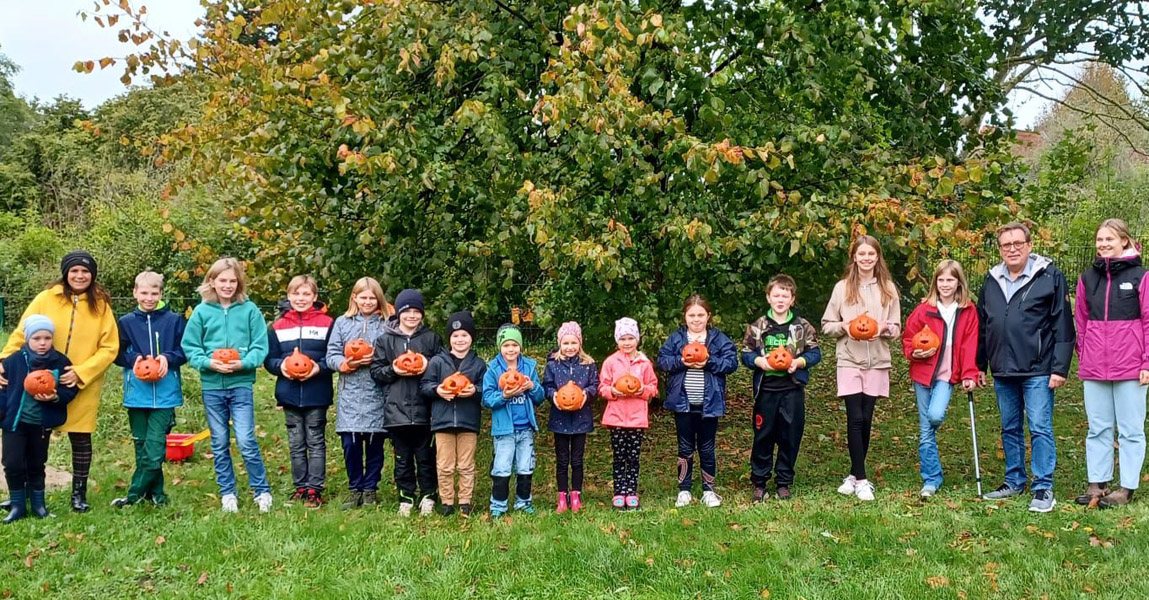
152,352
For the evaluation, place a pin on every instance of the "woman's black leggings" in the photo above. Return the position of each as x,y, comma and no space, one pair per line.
81,454
859,422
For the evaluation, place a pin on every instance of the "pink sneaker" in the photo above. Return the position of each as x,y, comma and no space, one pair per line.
576,501
562,506
618,501
632,502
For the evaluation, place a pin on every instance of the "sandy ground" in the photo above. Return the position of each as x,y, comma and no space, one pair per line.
55,479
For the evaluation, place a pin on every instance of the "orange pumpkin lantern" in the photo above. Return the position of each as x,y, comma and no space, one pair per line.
225,355
512,379
779,359
39,383
147,370
926,340
298,365
863,327
570,397
357,349
411,362
628,385
455,383
695,352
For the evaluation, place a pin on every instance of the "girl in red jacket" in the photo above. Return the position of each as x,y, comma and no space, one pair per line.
939,361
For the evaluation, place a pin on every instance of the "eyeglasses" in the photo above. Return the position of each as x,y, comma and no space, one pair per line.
1012,245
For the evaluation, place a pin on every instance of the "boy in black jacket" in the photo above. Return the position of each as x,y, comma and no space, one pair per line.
27,420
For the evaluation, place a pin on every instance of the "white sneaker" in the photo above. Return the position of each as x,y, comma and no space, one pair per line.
928,491
405,509
848,486
684,499
229,504
426,507
864,490
711,500
264,501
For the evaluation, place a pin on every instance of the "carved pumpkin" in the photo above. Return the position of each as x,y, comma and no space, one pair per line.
628,385
357,349
864,327
695,352
298,365
225,355
570,397
456,383
512,379
147,370
926,340
411,362
779,359
40,382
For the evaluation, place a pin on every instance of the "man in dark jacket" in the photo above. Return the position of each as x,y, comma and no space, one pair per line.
1026,340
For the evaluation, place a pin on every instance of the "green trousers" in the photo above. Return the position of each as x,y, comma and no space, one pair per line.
150,428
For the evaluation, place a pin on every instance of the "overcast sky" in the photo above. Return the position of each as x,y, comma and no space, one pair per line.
45,37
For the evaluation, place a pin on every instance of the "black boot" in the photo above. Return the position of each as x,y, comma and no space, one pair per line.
39,509
18,508
80,495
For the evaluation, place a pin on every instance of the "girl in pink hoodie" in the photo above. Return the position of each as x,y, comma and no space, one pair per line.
626,413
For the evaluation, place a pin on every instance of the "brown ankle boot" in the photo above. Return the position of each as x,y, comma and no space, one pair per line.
1096,490
1120,497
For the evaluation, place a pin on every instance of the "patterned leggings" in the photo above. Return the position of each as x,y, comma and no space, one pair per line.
627,446
81,453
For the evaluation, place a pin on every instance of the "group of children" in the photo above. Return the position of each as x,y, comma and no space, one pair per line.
398,381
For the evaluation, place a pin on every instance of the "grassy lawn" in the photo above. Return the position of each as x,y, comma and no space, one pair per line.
819,545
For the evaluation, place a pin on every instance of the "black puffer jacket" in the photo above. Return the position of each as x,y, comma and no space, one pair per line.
460,413
402,404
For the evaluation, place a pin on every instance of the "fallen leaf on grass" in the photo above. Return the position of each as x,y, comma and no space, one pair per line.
1094,501
937,581
160,540
202,578
765,593
1096,541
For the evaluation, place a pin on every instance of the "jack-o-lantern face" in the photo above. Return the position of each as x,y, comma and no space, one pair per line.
779,359
570,397
148,369
695,352
512,379
357,349
411,362
926,340
628,385
455,383
298,365
40,383
225,355
864,327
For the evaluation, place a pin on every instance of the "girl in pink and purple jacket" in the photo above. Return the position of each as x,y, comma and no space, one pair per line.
626,413
1112,318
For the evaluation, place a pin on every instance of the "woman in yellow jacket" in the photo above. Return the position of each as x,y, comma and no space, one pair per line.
86,332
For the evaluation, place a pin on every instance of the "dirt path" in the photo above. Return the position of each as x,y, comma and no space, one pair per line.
55,479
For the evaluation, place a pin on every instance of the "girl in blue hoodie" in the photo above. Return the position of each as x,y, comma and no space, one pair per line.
569,363
150,331
227,319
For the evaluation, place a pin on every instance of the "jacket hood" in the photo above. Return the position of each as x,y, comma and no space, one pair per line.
1130,258
284,307
1038,261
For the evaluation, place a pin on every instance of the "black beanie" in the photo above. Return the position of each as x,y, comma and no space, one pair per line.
408,299
78,258
461,321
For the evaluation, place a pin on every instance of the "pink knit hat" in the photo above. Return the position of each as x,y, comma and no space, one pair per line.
625,326
570,328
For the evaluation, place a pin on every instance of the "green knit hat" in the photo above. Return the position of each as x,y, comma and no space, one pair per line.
509,333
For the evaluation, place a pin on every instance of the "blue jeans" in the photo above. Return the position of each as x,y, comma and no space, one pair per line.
932,404
1032,396
1120,405
238,405
515,450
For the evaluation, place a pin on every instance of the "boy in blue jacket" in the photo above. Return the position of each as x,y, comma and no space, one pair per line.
513,423
150,331
27,421
779,395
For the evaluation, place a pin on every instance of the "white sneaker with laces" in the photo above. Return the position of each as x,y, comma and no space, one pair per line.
264,502
229,504
684,499
426,507
405,509
848,486
864,490
711,500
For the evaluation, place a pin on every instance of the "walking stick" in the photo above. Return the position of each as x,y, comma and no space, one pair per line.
973,433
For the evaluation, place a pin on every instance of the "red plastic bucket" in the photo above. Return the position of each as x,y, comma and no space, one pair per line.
177,448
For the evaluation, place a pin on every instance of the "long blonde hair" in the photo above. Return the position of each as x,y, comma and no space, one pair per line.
853,276
219,266
364,284
954,269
